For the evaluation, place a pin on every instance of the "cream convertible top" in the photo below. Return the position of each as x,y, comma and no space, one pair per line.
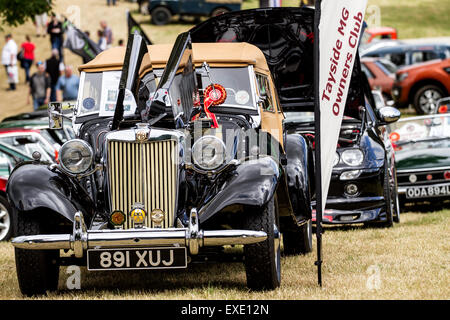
216,54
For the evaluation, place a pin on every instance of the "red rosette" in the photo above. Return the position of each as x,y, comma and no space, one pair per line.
216,94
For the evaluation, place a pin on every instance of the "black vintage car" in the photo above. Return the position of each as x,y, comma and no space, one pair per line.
188,153
363,185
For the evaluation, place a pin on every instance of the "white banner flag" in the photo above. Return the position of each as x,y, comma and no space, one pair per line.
340,28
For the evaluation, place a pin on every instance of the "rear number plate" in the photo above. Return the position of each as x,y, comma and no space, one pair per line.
132,259
428,191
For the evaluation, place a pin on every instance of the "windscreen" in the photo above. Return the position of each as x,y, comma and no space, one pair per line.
420,129
99,92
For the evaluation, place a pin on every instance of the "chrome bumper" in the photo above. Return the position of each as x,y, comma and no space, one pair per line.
401,190
190,237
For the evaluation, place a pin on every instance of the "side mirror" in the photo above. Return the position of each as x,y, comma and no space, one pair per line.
55,116
389,114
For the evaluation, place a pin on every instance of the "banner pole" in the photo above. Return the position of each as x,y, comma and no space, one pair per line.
318,166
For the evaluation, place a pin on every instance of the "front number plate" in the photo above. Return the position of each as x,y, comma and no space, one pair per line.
428,191
132,259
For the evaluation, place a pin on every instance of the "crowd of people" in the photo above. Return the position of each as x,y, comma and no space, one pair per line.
52,80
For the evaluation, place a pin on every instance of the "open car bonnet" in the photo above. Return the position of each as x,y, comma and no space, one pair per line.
286,37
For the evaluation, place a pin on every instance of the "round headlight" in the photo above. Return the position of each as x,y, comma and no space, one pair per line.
76,156
208,152
352,157
336,159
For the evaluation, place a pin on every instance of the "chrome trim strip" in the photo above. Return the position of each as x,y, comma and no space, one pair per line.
424,170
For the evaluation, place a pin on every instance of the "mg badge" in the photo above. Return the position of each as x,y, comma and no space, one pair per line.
157,216
142,135
138,215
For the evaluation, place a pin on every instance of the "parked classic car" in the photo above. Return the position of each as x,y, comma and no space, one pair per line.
408,53
9,157
363,186
422,155
163,10
371,34
381,75
38,120
151,181
422,85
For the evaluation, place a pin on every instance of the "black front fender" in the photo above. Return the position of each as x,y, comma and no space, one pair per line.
253,183
34,186
297,172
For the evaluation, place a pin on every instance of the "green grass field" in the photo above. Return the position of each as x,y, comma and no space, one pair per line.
408,261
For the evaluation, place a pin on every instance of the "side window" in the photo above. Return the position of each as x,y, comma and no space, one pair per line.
430,55
398,59
264,91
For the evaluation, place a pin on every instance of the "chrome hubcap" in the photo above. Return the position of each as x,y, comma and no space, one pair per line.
428,100
5,222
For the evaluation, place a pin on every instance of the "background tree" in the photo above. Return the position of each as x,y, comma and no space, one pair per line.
17,12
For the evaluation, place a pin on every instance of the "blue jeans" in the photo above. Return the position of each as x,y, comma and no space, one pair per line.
53,92
57,44
37,102
26,64
111,1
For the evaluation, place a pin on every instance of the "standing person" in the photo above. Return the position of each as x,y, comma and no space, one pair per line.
39,87
40,20
9,61
264,3
28,56
55,30
107,32
67,86
275,3
101,40
53,69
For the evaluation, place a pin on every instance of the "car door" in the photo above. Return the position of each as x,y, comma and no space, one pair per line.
191,6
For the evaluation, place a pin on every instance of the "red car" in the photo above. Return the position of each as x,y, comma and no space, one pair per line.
379,32
381,75
422,85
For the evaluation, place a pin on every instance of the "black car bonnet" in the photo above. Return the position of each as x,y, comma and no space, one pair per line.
286,37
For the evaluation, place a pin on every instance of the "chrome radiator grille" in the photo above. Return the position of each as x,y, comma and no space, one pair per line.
144,173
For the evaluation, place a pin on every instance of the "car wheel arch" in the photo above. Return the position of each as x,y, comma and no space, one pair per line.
422,83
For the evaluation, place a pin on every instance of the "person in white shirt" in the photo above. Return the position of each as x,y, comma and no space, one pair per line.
9,60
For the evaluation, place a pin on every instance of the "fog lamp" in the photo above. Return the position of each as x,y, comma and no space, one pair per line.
117,218
351,189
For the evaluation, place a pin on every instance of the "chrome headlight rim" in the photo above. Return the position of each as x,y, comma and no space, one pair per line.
201,164
88,149
346,160
337,159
